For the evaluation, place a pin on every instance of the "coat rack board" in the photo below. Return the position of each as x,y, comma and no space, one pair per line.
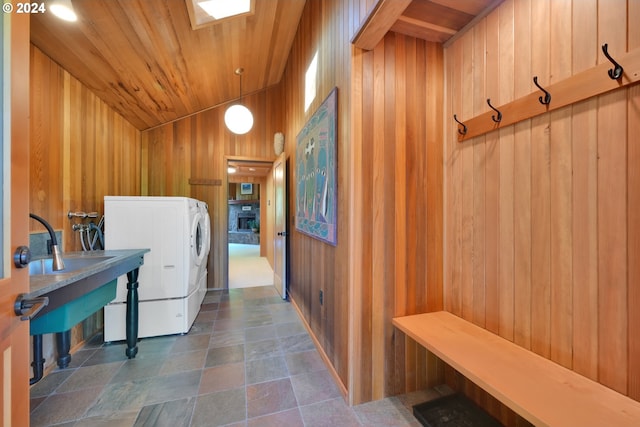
592,82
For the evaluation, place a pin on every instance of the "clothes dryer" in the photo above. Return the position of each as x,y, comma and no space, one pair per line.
169,291
205,231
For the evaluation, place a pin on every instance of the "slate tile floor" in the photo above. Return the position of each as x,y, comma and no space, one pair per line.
247,361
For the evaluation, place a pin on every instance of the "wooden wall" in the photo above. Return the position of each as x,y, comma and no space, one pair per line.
314,265
398,177
196,149
388,260
80,150
541,218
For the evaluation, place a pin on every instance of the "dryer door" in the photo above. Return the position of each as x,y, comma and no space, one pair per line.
198,239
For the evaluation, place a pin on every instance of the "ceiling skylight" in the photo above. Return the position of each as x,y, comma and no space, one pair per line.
221,9
208,12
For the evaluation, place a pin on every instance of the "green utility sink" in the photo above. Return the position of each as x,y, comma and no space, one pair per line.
68,315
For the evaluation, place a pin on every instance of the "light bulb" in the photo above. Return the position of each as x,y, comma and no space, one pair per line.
63,9
238,119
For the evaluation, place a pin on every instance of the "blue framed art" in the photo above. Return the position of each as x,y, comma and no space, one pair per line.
316,178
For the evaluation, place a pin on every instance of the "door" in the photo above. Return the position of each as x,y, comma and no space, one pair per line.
280,228
14,216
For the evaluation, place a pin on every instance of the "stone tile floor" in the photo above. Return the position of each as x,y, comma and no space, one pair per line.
247,361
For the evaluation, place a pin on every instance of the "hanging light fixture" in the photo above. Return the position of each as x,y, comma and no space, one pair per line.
238,118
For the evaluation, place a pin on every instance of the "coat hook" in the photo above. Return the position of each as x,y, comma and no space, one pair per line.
547,95
462,131
493,117
616,72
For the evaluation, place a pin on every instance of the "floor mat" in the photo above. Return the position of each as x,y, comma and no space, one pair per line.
453,411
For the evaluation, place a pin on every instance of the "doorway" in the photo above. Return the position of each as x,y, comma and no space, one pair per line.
249,223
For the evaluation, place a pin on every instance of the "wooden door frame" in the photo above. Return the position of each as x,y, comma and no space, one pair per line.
15,333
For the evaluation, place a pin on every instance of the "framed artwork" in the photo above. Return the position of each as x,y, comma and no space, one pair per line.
246,188
316,178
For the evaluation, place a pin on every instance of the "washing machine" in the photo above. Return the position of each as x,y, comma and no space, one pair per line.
170,281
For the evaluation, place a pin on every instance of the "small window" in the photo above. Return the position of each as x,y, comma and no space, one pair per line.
310,82
209,12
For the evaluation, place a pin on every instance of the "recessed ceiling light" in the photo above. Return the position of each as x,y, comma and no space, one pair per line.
231,169
220,9
63,9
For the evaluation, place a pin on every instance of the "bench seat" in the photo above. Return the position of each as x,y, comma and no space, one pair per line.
539,390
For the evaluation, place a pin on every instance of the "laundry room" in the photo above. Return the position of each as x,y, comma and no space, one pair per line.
482,172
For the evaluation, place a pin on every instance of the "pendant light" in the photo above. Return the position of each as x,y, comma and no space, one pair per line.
238,118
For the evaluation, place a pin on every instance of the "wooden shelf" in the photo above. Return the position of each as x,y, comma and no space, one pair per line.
243,202
589,83
541,391
205,181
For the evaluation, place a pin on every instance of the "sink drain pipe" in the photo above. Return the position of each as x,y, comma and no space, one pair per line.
38,360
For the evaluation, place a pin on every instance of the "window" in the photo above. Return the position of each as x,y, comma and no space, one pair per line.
208,12
310,82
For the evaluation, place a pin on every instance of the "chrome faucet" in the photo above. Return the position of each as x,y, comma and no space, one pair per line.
58,263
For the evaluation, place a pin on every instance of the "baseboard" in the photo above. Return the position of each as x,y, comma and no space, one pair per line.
323,355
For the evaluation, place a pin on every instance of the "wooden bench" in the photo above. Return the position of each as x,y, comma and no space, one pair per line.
541,391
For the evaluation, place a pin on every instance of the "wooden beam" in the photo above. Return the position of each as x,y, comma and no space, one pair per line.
378,22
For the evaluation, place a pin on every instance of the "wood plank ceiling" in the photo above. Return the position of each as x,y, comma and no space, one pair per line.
145,61
143,58
431,20
248,169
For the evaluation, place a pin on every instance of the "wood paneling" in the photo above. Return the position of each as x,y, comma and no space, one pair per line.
562,192
430,20
147,63
80,151
633,231
399,220
325,28
390,198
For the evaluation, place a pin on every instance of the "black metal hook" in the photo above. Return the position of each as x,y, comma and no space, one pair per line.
547,95
462,131
493,117
616,72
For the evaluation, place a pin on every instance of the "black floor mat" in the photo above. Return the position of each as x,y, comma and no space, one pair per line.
453,411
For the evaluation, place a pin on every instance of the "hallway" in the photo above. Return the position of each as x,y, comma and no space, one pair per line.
247,361
247,268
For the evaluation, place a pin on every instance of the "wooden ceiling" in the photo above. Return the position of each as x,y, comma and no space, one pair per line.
248,168
431,20
143,58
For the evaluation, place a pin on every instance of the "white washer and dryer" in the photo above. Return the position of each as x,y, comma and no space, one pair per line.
173,279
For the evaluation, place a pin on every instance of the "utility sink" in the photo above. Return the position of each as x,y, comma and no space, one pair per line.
45,265
86,284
